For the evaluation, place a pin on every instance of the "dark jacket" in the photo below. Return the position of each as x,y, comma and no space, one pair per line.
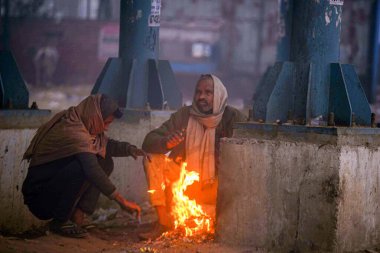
155,141
93,171
40,175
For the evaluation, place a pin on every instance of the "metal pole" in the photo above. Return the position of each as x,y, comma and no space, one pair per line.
88,6
315,40
260,25
137,38
138,42
316,32
1,23
13,91
137,77
285,30
6,26
374,53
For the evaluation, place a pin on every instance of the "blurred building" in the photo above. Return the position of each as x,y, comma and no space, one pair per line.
233,39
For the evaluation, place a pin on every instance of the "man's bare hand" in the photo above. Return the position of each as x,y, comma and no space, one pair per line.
175,138
135,152
128,206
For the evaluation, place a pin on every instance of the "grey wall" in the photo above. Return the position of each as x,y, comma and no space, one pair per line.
302,192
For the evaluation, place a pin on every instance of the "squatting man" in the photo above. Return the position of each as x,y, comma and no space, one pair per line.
70,162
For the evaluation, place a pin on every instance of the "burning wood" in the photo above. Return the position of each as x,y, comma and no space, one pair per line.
148,250
190,220
189,216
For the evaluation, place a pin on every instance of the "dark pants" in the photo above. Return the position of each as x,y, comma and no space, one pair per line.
55,189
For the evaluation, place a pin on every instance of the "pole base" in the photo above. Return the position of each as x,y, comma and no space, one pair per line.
306,91
13,91
125,81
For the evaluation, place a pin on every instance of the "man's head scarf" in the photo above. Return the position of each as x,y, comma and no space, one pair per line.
200,134
75,130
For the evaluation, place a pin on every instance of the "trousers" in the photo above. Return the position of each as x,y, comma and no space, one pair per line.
53,190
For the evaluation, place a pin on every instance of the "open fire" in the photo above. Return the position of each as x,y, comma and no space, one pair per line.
189,216
190,219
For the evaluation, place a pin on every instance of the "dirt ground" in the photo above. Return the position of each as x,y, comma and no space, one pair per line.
118,235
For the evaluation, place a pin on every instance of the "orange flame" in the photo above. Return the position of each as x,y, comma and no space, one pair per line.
188,215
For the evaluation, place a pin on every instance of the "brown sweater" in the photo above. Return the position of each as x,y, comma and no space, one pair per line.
155,141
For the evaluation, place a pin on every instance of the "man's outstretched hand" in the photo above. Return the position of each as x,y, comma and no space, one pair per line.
128,206
175,138
135,152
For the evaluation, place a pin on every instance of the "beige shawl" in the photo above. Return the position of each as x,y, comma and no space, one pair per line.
200,135
76,130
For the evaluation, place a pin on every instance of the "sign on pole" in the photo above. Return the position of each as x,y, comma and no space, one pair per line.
155,11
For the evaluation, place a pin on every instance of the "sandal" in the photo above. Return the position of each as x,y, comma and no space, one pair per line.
82,220
88,226
67,229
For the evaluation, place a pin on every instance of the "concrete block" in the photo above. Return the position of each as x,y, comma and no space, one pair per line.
14,215
281,192
21,119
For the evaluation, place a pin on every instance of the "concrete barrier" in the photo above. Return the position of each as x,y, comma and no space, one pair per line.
14,215
128,175
300,191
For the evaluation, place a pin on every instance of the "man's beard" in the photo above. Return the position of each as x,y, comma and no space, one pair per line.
203,111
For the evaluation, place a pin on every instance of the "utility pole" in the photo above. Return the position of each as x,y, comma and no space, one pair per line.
137,77
13,91
311,82
5,17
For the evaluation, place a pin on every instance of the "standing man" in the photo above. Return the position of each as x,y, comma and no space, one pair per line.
192,135
45,62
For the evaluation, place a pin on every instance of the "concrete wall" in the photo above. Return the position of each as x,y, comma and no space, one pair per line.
289,194
128,174
358,209
13,214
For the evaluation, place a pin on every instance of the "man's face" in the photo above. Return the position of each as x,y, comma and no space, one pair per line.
107,122
204,96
